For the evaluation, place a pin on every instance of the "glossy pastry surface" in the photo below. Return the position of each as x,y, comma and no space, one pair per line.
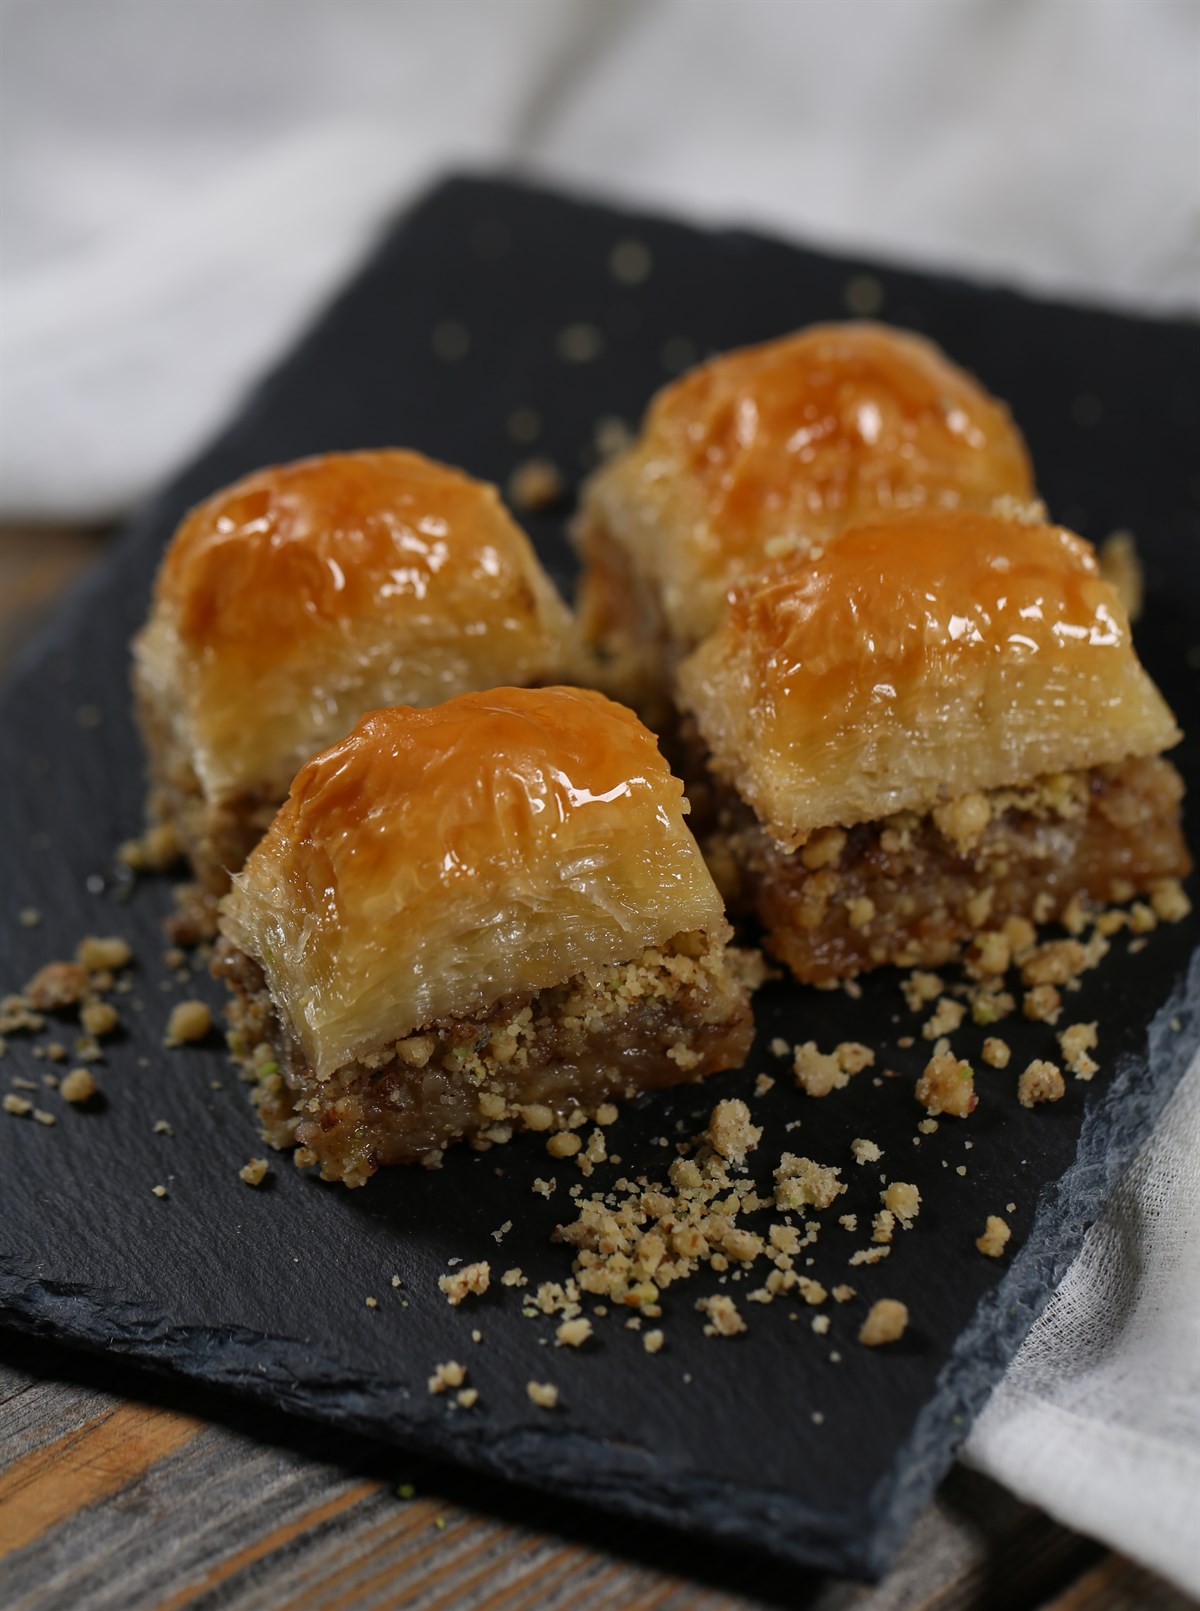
917,660
437,861
787,443
309,592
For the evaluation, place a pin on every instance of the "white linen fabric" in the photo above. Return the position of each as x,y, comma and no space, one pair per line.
183,182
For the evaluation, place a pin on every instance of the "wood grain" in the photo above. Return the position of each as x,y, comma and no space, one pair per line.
108,1503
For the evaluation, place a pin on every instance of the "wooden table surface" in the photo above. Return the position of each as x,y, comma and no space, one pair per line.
119,1491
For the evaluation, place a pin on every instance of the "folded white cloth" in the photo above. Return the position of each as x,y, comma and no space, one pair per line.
183,184
1097,1419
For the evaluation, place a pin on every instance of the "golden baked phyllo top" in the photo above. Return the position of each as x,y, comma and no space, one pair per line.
437,861
917,660
781,446
308,593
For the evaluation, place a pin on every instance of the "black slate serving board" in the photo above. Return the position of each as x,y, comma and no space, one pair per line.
456,322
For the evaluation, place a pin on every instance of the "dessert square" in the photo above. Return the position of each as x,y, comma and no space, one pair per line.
485,915
295,600
936,723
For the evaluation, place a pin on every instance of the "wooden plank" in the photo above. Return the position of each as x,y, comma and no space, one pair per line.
103,1457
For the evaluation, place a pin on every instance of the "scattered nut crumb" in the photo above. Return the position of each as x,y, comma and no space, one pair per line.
886,1322
41,1116
731,1132
471,1279
254,1172
189,1021
866,1151
78,1086
947,1086
98,1018
543,1394
572,1333
159,1191
652,1341
996,1052
1041,1082
903,1200
995,1237
449,1374
535,484
1076,1041
723,1317
103,954
19,1106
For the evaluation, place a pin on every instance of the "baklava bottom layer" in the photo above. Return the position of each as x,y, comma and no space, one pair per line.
675,1014
911,889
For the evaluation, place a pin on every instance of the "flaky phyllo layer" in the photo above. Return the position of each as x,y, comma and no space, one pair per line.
915,661
307,594
438,861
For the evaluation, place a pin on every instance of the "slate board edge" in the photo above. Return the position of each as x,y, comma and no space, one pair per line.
730,1514
1067,1209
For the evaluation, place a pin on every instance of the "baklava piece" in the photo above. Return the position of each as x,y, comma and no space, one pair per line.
473,918
305,595
938,723
767,450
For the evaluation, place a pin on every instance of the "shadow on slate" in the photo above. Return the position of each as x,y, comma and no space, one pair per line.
263,1292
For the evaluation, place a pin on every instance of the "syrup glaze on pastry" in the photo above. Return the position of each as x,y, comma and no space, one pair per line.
309,592
914,661
436,862
775,448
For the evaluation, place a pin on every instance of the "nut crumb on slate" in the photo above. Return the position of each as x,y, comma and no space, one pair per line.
189,1021
947,1086
996,1052
947,1017
159,1191
1041,1082
543,1394
40,1116
903,1200
103,953
818,1073
448,1374
19,1106
866,1151
995,1237
652,1341
467,1397
842,1293
723,1317
472,1279
78,1086
515,1277
371,1303
730,1131
1076,1042
254,1172
573,1333
98,1018
57,985
29,917
886,1322
162,1127
564,1144
536,483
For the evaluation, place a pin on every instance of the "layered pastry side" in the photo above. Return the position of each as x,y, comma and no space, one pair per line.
289,604
938,723
769,450
483,916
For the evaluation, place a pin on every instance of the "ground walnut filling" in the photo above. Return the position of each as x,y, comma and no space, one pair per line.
674,1014
912,889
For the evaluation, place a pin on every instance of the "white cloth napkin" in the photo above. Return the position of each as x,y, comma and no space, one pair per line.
183,184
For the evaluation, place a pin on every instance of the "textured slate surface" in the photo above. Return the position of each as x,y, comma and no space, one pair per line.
263,1292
